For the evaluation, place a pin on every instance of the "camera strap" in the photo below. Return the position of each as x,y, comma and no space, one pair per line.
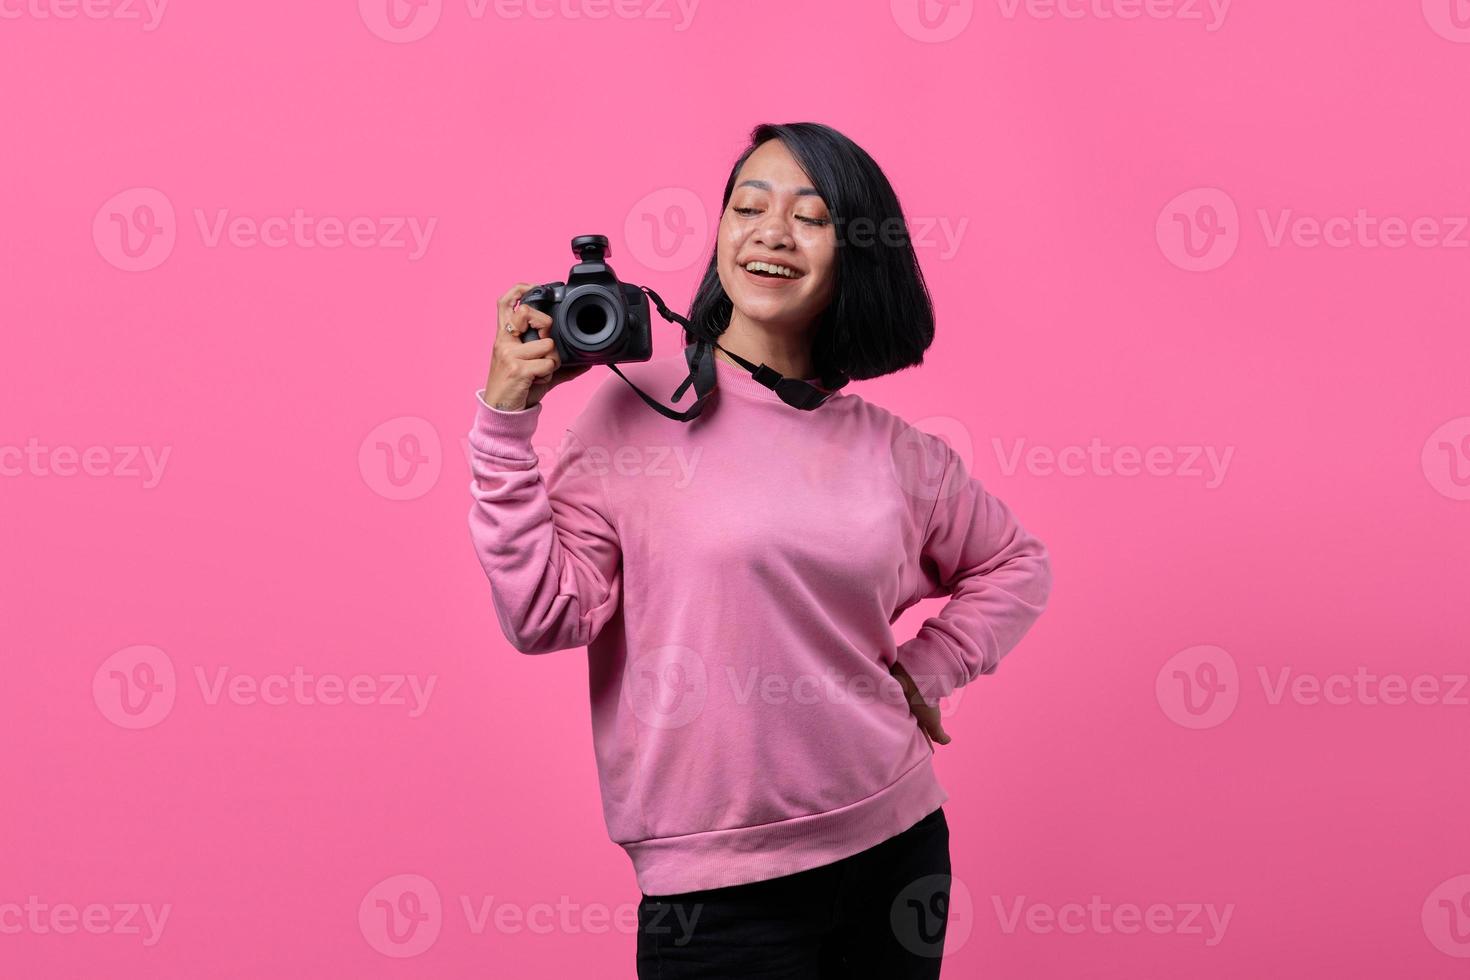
701,359
701,362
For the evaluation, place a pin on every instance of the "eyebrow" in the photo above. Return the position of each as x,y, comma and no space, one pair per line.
766,185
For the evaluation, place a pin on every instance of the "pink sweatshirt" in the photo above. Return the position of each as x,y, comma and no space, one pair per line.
734,581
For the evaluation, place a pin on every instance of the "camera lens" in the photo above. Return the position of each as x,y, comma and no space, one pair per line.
592,320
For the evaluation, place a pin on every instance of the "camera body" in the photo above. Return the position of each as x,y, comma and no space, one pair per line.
595,319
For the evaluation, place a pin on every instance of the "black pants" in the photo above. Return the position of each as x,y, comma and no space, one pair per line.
878,914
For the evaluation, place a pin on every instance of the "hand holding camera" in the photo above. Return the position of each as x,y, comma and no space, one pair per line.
524,363
553,332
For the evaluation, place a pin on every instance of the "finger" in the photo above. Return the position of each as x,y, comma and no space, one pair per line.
538,369
534,350
513,295
506,308
524,319
534,320
563,373
546,374
513,331
929,718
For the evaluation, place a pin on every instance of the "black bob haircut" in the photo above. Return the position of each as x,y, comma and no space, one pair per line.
880,319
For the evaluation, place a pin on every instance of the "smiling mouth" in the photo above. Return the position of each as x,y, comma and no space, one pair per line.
767,270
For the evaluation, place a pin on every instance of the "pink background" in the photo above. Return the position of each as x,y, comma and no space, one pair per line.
1136,747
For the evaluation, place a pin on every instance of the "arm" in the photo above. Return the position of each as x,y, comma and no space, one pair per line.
998,577
549,549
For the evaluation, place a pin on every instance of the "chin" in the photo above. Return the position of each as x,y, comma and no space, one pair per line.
764,310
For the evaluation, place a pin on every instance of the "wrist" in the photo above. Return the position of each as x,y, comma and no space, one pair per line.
502,402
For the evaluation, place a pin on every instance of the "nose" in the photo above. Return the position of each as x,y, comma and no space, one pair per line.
774,232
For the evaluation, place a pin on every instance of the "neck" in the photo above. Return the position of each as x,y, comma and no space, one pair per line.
780,347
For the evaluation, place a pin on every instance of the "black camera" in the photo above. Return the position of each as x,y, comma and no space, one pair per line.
595,319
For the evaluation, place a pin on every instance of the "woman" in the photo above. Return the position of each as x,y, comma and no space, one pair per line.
763,744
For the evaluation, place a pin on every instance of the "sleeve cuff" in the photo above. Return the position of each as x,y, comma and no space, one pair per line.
504,434
933,670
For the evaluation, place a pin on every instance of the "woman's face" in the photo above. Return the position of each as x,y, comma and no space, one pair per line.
774,216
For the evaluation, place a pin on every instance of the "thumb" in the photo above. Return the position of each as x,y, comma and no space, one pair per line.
935,726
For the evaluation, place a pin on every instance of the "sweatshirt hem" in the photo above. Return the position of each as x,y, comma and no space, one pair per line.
718,858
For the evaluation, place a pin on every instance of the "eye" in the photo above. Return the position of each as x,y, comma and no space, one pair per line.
815,222
744,210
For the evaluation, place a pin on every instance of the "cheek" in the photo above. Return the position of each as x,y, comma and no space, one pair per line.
822,256
825,281
729,232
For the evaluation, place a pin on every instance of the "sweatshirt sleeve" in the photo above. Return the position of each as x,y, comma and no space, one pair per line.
997,574
549,549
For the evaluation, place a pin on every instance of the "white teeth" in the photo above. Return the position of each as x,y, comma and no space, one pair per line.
779,270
